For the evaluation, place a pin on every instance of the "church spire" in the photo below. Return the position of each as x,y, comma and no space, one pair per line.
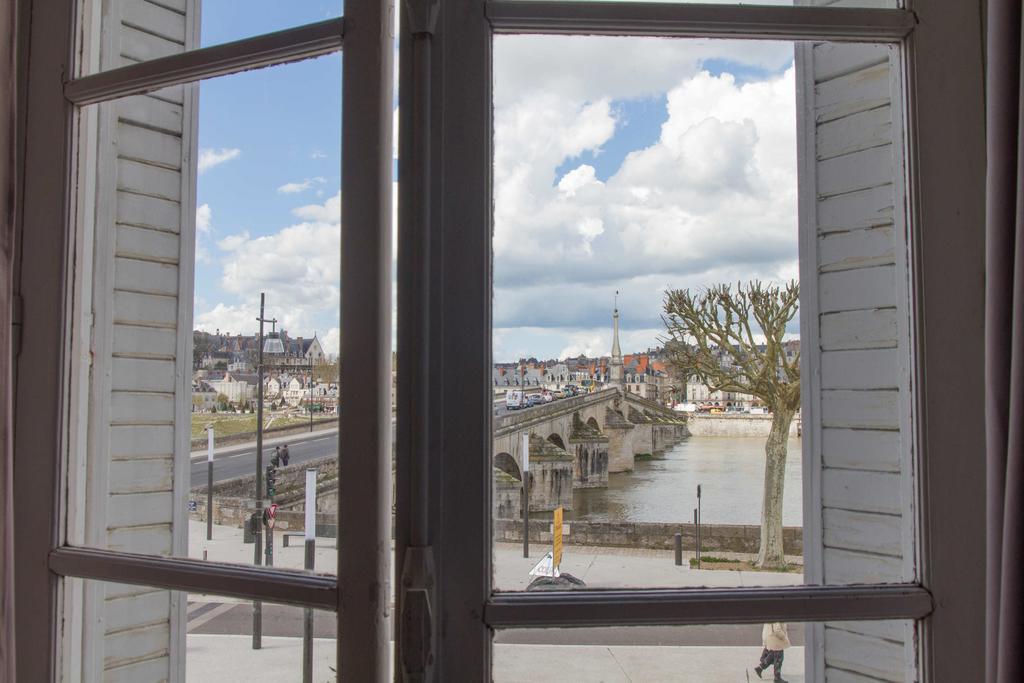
615,369
616,351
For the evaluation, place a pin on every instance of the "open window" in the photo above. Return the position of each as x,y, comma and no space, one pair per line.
883,205
545,194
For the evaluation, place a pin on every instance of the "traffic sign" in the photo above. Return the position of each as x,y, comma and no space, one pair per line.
545,567
271,513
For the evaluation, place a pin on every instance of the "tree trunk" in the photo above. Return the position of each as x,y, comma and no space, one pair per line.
770,554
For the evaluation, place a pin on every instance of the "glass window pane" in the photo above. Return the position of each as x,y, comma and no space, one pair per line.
197,201
725,653
125,32
663,208
123,632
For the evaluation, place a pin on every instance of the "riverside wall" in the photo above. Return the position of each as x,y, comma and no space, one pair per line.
734,538
737,425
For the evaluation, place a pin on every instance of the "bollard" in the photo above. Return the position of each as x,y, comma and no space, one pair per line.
696,536
679,549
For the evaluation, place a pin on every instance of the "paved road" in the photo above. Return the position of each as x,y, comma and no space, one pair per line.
236,461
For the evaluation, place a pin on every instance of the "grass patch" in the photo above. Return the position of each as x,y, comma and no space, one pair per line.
643,456
228,424
712,562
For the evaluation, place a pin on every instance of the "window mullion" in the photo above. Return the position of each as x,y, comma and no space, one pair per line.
269,49
683,20
364,470
198,576
697,606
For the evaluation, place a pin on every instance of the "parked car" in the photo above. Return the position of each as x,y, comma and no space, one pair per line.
533,400
514,399
547,397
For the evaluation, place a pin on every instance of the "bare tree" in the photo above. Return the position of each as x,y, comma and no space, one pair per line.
732,340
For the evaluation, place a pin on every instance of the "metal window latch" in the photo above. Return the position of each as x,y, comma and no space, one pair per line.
422,15
417,627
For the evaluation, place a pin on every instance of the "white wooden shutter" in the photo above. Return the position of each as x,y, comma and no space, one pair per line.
140,231
858,440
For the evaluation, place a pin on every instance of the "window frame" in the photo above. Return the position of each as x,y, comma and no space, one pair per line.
945,188
453,327
45,281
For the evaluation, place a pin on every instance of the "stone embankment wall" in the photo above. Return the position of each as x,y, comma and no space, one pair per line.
234,512
291,485
703,424
734,538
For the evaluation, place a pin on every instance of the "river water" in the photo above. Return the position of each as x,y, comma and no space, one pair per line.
729,469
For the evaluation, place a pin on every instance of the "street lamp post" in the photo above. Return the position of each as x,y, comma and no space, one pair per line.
311,393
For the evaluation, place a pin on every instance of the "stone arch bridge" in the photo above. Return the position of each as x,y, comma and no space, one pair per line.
575,443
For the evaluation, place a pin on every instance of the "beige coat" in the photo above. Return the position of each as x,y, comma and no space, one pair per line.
775,636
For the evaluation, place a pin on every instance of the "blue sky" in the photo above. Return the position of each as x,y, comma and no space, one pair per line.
620,164
275,127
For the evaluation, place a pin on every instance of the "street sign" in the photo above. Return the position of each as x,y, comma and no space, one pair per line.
545,567
556,539
192,506
271,513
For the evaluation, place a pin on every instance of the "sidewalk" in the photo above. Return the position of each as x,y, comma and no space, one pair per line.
636,663
217,658
598,567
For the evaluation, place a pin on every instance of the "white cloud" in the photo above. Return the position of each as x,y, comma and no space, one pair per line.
234,319
307,184
297,267
292,188
233,242
203,217
331,342
713,199
208,158
328,212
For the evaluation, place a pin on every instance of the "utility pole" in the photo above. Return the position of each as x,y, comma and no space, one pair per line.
257,606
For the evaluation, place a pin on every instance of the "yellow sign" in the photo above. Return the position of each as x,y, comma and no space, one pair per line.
556,538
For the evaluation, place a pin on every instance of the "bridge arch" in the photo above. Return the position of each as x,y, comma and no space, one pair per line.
507,464
557,439
593,423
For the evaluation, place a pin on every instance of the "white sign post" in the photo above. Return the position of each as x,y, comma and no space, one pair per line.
310,505
526,494
307,617
209,482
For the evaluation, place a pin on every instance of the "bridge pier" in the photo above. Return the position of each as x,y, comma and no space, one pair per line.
620,441
589,448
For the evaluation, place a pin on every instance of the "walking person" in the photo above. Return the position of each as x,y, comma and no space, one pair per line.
775,639
285,455
276,459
